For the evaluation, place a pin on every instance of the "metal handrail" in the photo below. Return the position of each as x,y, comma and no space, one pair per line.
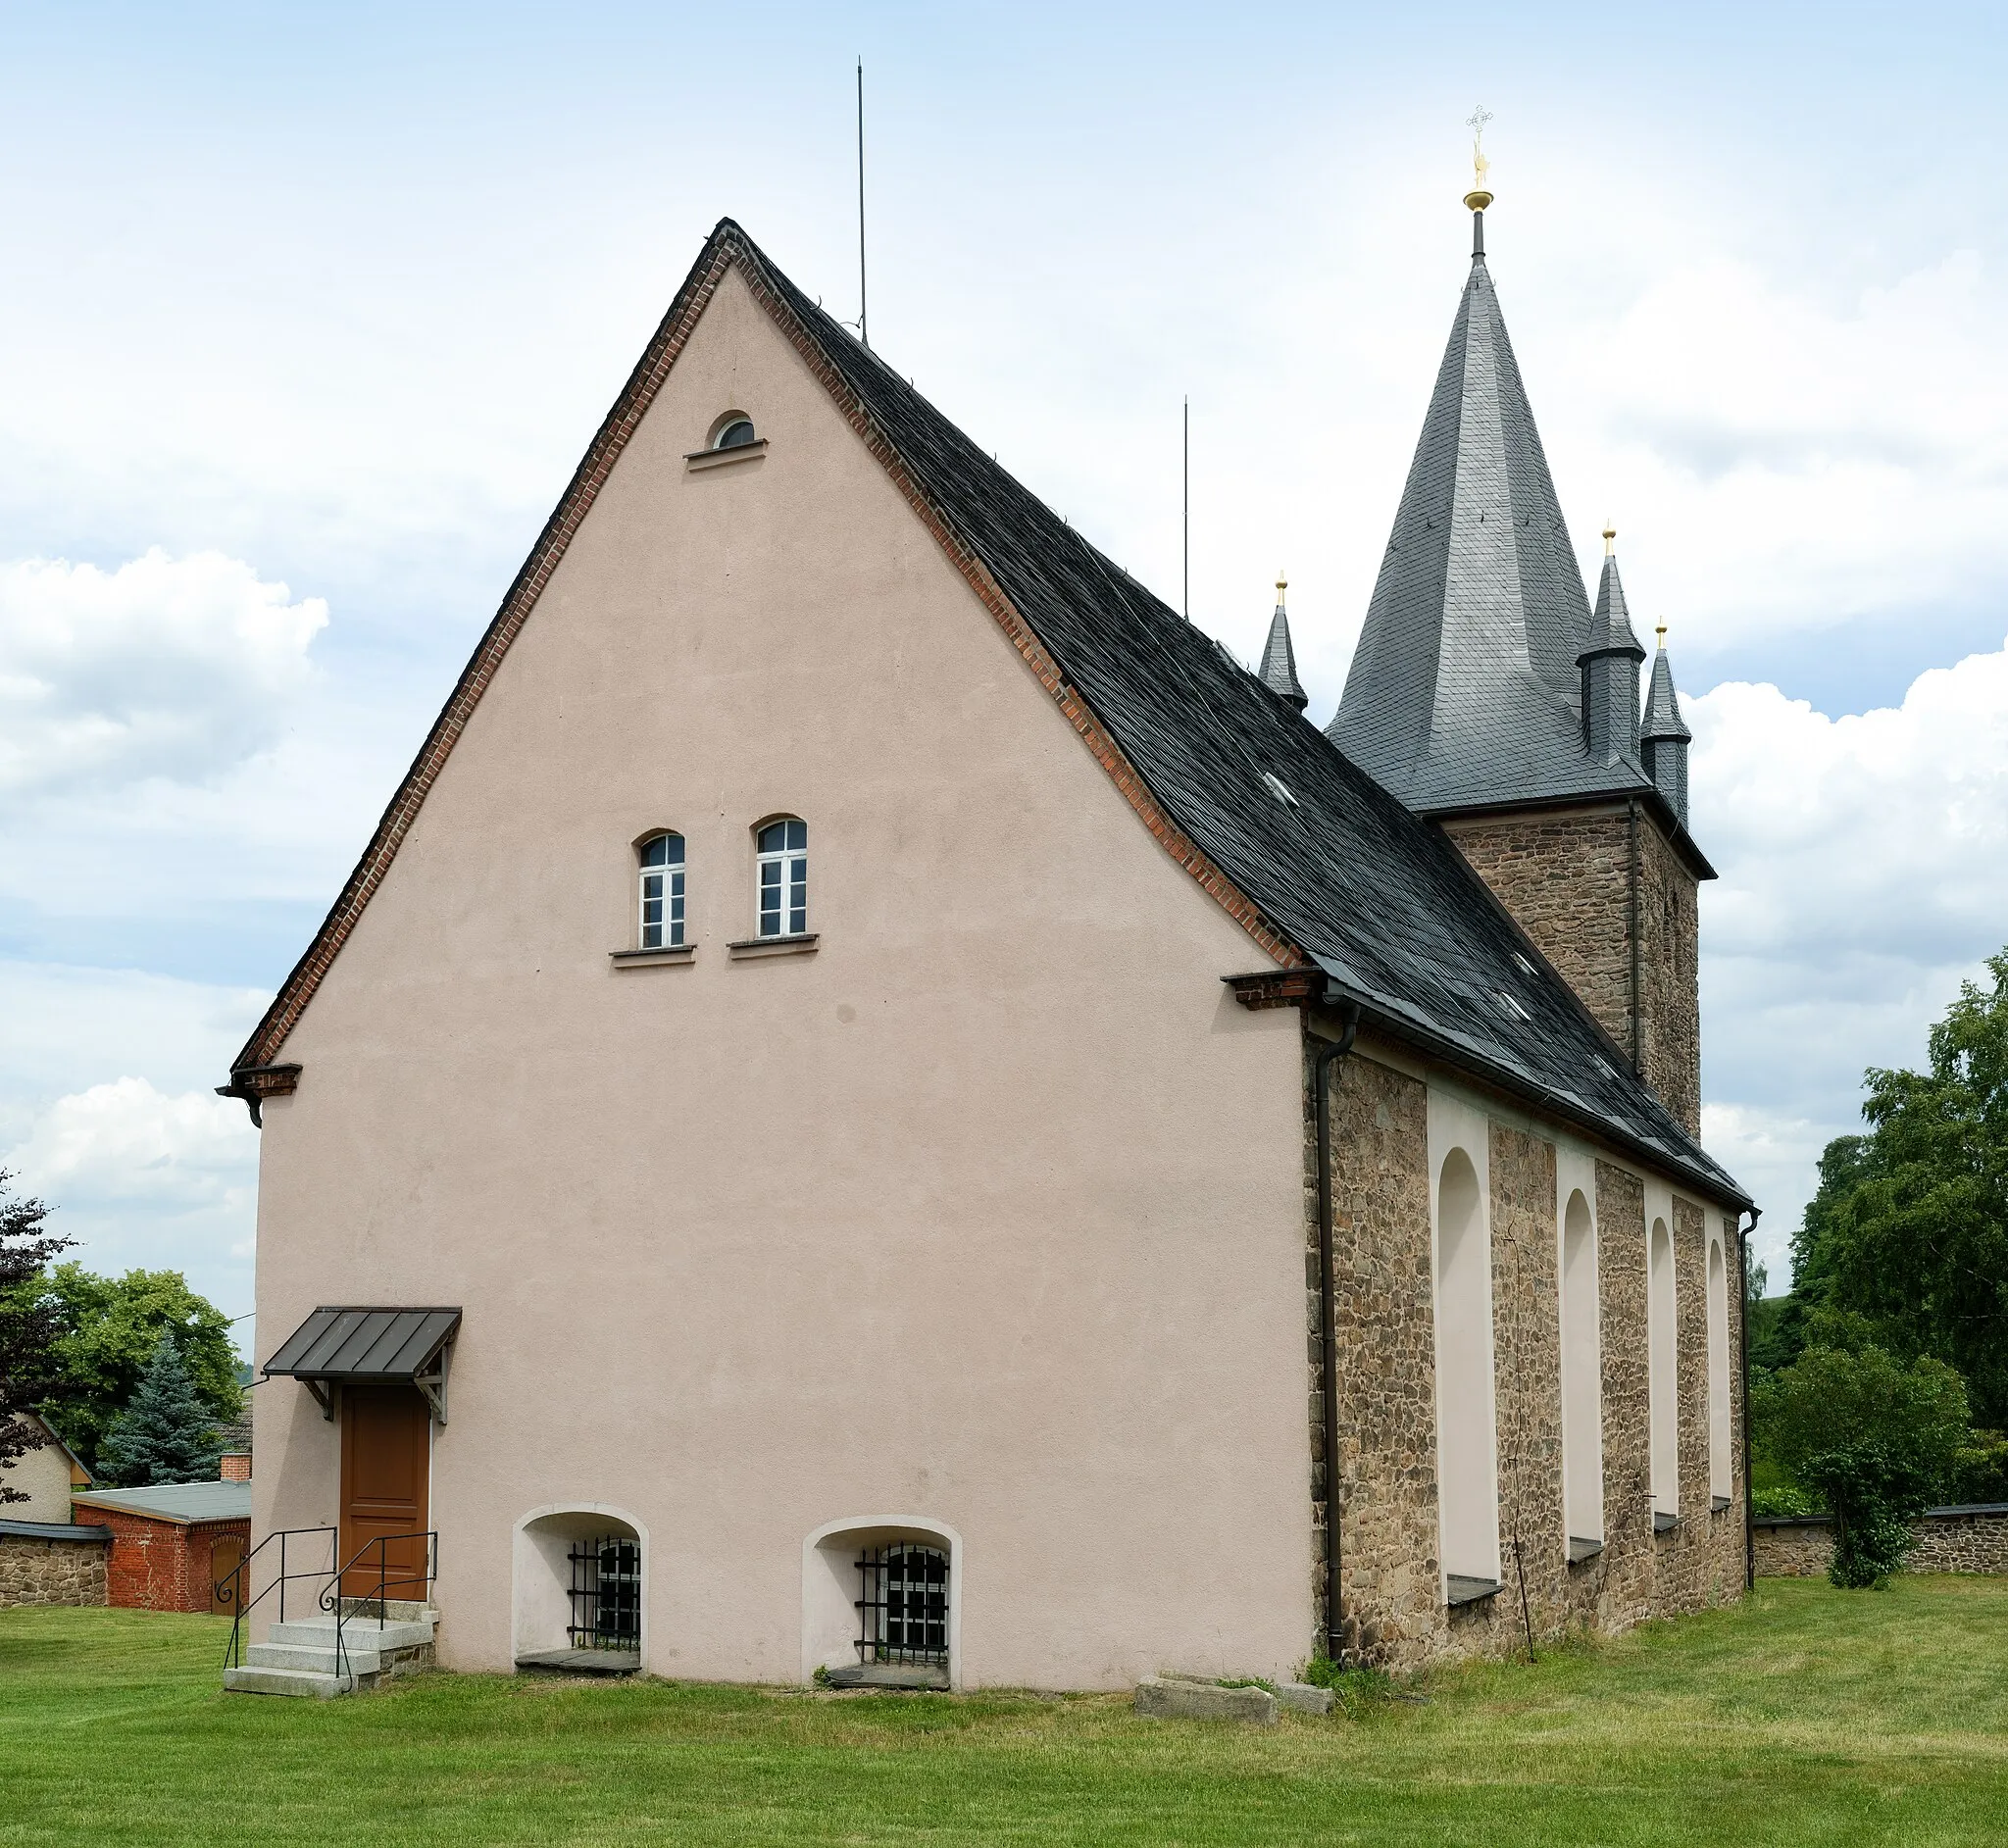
230,1588
336,1598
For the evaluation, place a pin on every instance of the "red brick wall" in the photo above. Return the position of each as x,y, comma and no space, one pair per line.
161,1565
237,1467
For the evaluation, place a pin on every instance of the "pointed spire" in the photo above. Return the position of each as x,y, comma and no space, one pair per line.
1279,670
1664,736
1465,690
1609,662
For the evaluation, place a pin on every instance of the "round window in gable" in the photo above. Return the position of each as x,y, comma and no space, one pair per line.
736,433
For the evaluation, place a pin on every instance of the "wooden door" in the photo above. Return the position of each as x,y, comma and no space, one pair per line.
386,1455
226,1555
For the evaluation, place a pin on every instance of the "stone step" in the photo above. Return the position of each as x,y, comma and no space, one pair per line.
312,1658
357,1633
299,1683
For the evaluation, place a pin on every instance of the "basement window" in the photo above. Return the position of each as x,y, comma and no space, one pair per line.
903,1604
606,1593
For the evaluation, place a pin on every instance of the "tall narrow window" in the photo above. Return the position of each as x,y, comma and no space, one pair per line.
1467,1490
1583,1436
1719,1471
783,860
1662,1354
662,892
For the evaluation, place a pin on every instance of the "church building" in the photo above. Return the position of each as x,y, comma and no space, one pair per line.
879,1104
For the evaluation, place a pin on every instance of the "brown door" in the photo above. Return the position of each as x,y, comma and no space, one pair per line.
386,1453
226,1555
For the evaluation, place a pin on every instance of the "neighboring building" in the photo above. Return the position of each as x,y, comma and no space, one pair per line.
46,1476
173,1544
234,1462
910,1263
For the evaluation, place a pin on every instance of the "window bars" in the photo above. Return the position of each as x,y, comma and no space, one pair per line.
606,1593
662,892
903,1615
784,861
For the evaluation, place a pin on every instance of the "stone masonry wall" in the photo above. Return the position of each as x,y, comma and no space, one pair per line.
1943,1540
51,1571
1566,877
1384,1272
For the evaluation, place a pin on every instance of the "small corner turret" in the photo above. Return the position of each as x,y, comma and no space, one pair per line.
1664,737
1608,662
1279,669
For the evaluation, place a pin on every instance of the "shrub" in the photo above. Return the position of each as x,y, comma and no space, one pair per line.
1783,1503
1873,1440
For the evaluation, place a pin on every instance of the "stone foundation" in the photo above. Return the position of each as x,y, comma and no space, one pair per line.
53,1571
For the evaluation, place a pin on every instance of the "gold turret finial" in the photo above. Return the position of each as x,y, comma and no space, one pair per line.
1283,583
1479,197
1610,538
1660,629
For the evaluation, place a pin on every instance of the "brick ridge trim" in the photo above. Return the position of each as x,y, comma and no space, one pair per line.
727,246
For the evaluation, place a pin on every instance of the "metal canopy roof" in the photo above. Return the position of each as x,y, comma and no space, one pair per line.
364,1346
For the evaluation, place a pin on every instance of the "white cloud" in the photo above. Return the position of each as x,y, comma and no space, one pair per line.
167,667
127,1143
1864,865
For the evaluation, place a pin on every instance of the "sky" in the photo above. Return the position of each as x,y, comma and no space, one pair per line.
307,313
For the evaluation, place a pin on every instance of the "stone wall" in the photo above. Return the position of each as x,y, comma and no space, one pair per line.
51,1571
1383,1266
1565,874
1944,1541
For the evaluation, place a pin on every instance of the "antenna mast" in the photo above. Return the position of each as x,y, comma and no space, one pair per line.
1186,480
864,328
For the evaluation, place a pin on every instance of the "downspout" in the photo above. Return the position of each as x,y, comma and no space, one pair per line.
1328,1056
1743,1344
1631,924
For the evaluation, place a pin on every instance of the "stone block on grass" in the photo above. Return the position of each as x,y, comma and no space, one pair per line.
1162,1697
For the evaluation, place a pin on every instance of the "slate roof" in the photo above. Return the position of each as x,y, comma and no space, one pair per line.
1329,866
1463,691
1610,630
184,1502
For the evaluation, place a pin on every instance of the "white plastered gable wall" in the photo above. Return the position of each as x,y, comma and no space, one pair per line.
937,1184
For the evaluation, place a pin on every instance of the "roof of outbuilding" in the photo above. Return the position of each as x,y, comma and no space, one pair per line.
1313,857
1463,691
184,1502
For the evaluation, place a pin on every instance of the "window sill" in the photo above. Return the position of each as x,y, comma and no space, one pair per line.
645,959
799,943
1664,1524
1718,1503
1469,1590
700,459
1581,1551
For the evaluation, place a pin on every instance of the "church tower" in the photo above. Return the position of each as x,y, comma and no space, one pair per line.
1488,695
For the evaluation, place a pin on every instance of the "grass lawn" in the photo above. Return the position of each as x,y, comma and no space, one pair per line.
1808,1716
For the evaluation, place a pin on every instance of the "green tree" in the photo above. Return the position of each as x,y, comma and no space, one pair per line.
1910,1227
167,1433
29,1327
1872,1440
107,1330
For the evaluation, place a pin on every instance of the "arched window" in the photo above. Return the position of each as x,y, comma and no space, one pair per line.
881,1603
1467,1476
1662,1354
1720,1472
784,871
661,892
1582,1437
735,432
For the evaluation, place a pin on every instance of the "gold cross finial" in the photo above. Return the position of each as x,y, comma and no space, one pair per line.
1283,583
1480,196
1660,629
1610,537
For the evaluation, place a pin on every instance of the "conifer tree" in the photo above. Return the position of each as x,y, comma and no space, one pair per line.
165,1433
